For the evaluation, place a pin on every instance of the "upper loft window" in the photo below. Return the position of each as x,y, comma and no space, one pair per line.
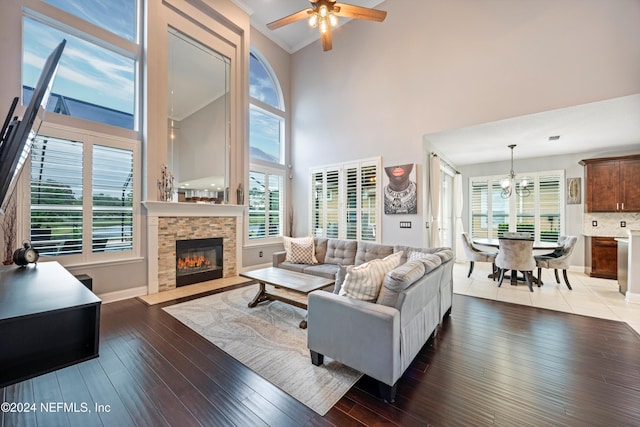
116,16
95,81
261,85
266,115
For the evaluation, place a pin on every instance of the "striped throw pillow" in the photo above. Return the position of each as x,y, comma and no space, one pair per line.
363,281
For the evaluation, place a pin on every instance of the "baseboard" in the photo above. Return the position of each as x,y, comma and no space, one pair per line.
255,267
123,294
579,269
632,298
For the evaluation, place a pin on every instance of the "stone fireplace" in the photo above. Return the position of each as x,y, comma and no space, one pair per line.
169,223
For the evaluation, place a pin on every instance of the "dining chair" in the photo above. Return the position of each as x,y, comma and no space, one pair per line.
516,234
476,255
558,259
516,255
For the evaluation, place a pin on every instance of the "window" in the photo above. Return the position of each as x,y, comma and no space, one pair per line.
83,182
101,13
265,205
540,213
267,154
345,201
95,80
61,192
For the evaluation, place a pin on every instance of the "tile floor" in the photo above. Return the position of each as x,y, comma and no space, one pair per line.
590,296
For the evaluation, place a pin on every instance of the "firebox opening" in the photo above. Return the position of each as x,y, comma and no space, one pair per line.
198,260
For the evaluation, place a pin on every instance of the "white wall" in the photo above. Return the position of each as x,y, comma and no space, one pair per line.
434,65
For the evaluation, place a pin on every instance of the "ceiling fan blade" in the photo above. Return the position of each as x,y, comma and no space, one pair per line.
359,12
326,40
294,17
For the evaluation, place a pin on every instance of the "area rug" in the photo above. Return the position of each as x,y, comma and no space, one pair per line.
268,340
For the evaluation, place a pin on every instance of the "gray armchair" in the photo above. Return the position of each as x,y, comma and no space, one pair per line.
476,255
516,255
516,235
558,259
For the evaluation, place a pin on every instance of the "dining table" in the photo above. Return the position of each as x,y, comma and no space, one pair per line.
514,278
537,245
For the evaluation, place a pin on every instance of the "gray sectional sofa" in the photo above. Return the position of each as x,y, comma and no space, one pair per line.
381,338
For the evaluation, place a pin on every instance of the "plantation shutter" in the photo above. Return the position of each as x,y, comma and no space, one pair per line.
112,192
352,203
539,213
550,205
526,211
499,207
56,196
317,204
479,209
265,201
369,203
257,205
275,186
344,201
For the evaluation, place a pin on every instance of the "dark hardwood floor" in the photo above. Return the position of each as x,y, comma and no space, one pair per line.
491,363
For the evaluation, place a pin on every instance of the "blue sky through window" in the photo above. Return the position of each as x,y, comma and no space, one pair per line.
265,129
117,16
261,85
86,72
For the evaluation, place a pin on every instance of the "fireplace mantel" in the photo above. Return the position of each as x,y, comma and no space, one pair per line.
159,209
156,210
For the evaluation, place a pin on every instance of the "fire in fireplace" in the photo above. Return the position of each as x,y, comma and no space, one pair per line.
198,260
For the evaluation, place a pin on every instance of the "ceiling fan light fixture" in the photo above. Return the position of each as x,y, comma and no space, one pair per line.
313,20
323,26
324,14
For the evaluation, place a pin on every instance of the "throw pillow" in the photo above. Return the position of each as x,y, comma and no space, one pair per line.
416,255
301,253
363,282
301,241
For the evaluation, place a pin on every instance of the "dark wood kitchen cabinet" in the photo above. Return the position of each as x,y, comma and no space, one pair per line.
604,257
612,184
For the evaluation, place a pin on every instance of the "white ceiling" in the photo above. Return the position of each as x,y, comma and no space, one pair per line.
292,37
599,126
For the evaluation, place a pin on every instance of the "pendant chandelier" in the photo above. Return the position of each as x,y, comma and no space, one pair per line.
511,184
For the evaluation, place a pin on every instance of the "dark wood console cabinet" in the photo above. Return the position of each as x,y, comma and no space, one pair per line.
48,320
612,184
604,257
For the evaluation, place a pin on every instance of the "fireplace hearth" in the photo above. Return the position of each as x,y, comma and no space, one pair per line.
198,260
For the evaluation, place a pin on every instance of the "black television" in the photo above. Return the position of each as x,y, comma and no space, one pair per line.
17,135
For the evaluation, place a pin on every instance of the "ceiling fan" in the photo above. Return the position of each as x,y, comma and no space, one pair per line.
323,14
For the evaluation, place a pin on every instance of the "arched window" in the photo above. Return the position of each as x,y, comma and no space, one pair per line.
266,152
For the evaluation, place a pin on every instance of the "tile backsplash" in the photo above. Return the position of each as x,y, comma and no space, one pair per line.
609,224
